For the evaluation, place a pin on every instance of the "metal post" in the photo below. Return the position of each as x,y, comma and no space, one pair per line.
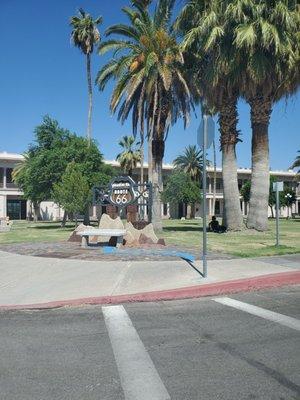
277,215
204,197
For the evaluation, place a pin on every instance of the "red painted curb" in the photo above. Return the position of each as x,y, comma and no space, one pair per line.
209,289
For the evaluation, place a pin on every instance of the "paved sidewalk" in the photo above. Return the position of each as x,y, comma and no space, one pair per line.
28,280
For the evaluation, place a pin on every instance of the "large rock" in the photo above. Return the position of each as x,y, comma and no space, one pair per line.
145,239
132,234
77,238
106,222
140,236
149,232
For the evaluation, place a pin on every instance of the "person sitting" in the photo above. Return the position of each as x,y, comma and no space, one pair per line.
214,225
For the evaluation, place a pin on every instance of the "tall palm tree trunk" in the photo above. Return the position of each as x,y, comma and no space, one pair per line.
215,178
90,93
142,158
228,118
158,147
150,159
261,109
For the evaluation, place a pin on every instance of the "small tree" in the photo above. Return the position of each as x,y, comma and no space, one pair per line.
286,198
180,188
73,192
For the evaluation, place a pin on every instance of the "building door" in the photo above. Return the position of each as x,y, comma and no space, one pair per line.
182,208
16,209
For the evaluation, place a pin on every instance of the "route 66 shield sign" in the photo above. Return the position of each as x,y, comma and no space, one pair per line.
121,191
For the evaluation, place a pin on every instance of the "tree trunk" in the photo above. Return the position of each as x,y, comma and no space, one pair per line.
272,211
36,212
150,160
188,211
142,158
261,108
215,179
193,211
158,147
233,218
90,93
64,220
86,219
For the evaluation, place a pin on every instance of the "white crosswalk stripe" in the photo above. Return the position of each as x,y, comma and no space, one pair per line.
139,378
290,322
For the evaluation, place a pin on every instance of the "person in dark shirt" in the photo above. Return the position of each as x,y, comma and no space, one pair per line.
214,225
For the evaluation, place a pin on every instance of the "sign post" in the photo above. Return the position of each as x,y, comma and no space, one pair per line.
277,187
205,138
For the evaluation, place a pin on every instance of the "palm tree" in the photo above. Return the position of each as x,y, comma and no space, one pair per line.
208,38
215,178
150,82
267,37
296,163
84,35
190,162
129,157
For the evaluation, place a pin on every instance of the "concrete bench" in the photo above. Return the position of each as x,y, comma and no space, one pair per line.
117,233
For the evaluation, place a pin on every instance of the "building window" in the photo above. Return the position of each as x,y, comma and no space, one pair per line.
9,180
219,184
217,208
1,177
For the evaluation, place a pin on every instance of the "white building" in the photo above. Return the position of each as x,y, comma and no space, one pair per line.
14,206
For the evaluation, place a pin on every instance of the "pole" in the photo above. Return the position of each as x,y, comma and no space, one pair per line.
204,251
277,215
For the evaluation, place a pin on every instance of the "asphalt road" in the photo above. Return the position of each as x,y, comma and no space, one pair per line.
181,350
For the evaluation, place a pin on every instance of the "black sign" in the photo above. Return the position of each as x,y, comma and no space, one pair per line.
123,191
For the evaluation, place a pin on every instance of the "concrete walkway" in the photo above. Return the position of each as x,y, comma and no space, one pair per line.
28,280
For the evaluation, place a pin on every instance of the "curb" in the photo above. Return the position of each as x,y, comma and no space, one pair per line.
210,289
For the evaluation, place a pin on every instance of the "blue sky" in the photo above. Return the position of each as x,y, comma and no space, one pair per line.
42,73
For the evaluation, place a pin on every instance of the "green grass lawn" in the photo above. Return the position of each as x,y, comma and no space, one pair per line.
23,231
247,243
185,233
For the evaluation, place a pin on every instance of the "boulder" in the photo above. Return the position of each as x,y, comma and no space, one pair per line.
161,241
77,238
149,232
74,237
145,239
106,222
145,236
133,234
129,238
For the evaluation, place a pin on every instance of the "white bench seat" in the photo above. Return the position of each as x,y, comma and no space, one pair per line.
118,233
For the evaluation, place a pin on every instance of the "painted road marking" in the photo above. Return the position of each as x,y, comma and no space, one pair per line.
139,378
260,312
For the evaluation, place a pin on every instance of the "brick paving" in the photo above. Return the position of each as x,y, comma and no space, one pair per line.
71,250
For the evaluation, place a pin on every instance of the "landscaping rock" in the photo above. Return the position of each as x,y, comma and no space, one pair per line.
145,239
132,233
77,238
129,238
106,222
145,236
161,241
74,237
149,232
